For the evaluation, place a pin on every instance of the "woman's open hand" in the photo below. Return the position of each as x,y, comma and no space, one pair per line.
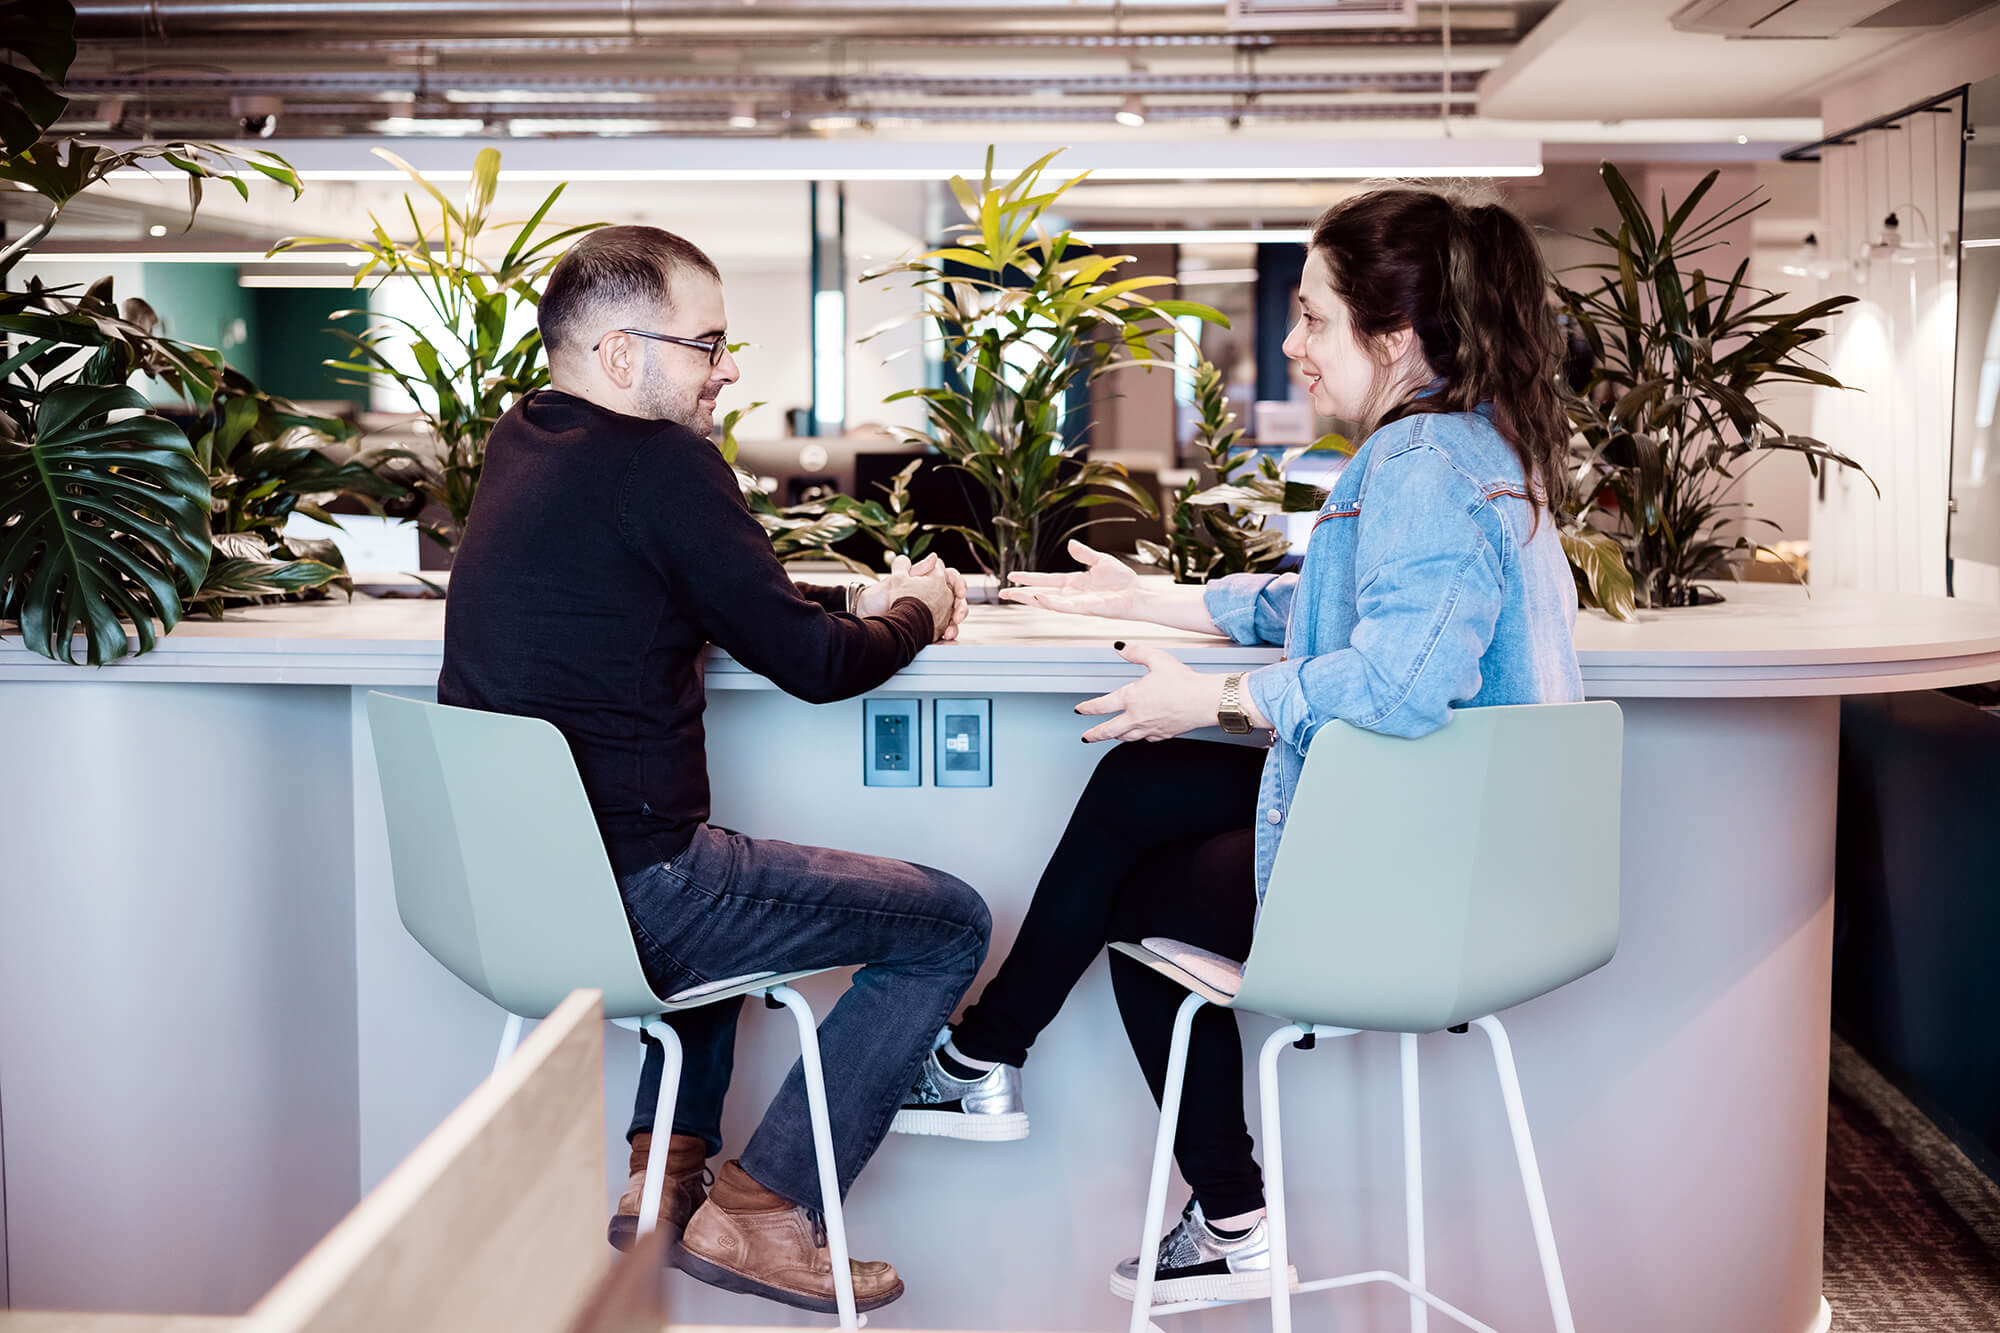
1170,699
1104,587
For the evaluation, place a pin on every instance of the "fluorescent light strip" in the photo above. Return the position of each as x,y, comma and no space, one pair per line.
652,158
835,172
1198,236
312,280
1983,243
188,257
1215,277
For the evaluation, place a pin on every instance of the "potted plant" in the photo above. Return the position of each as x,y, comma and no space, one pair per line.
1021,315
811,530
1669,419
105,503
1222,530
463,372
267,459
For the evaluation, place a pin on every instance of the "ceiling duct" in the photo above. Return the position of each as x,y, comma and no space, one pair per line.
1818,18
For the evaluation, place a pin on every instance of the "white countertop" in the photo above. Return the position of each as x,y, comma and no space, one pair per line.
1765,640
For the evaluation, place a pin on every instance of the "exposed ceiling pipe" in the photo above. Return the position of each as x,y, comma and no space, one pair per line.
186,18
301,116
1078,41
831,87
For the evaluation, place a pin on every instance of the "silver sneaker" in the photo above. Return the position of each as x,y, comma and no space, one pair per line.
985,1110
1198,1265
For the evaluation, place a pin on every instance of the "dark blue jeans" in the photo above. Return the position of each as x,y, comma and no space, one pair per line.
731,905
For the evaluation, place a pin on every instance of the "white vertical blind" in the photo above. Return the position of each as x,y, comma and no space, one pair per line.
1895,347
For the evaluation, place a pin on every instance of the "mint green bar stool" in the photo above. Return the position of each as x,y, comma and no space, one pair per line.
501,875
1420,885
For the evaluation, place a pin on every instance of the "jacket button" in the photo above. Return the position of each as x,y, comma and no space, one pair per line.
1276,816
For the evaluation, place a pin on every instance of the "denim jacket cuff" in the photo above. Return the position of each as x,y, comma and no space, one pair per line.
1233,606
1280,697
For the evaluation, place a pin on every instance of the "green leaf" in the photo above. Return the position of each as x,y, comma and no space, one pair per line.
231,577
485,176
39,39
103,523
1602,580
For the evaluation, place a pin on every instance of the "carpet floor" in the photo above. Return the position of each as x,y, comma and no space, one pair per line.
1912,1226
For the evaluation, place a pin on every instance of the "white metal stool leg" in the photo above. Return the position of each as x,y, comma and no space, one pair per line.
822,1127
663,1124
510,1037
1531,1174
1274,1174
1413,1181
1163,1156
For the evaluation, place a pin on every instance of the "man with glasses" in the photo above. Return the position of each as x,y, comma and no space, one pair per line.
608,546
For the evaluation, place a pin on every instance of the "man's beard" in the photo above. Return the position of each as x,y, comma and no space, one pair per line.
658,398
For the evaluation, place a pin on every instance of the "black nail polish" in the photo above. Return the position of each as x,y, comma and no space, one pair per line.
1120,645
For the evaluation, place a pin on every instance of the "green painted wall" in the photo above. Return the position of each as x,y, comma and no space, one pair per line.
278,336
293,340
202,303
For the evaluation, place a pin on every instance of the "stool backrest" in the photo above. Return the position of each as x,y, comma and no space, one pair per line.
1423,883
500,871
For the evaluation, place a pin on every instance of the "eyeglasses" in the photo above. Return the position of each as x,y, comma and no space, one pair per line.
715,346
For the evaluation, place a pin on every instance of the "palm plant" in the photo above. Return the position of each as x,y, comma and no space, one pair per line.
811,530
891,524
1221,530
1022,316
464,372
1669,420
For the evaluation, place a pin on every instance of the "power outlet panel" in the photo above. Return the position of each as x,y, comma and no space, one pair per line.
964,732
891,738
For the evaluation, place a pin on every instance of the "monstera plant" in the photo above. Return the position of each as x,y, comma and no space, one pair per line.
105,521
104,502
1022,315
39,39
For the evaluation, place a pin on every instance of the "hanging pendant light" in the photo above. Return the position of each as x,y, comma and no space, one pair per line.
1807,261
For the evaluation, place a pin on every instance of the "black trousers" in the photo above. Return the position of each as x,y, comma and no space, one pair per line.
1160,844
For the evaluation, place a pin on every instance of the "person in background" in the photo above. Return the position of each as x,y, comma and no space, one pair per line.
608,546
1434,580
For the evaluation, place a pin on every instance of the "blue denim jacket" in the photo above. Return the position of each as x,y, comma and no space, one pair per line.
1422,591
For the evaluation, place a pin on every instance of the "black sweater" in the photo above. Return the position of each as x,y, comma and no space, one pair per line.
602,554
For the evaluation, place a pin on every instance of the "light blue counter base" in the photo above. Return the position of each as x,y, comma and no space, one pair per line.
209,1048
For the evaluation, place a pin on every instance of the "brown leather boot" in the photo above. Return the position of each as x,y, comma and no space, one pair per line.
683,1192
747,1239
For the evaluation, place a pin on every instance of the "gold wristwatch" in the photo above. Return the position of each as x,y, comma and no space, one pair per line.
1230,711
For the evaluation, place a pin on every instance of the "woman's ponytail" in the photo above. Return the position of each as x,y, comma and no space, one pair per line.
1471,284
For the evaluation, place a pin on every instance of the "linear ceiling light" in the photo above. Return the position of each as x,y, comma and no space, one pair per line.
1196,236
647,159
291,280
190,257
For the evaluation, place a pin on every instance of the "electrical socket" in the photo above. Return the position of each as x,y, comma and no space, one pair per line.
891,743
964,731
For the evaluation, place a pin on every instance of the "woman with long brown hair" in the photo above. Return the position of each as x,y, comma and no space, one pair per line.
1434,580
